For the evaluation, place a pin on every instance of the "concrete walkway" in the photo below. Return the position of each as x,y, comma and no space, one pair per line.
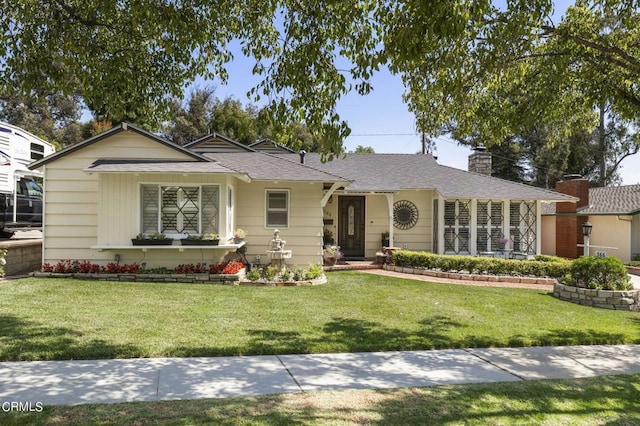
110,381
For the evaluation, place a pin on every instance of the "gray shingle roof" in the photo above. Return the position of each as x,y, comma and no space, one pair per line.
263,166
155,166
614,200
611,200
395,172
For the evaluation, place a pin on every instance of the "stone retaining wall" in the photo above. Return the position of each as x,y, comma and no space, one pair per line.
229,279
470,277
628,300
156,278
23,256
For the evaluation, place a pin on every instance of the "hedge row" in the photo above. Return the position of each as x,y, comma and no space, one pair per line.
544,266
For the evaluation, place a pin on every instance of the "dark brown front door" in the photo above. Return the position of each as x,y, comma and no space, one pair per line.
351,226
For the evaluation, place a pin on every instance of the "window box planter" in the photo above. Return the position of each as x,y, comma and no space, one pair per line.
188,242
149,242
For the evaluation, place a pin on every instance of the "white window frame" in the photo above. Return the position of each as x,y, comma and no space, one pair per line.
159,186
267,209
230,210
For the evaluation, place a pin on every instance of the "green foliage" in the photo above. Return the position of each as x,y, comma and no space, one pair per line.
298,274
636,257
361,149
606,273
285,274
490,69
253,275
549,267
270,273
313,271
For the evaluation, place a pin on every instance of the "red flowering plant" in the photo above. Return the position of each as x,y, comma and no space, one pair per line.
66,266
233,267
127,268
87,267
198,268
216,268
226,268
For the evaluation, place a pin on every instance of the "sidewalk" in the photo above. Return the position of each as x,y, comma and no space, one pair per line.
126,380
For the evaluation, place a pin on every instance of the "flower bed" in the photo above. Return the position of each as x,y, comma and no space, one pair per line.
224,272
233,272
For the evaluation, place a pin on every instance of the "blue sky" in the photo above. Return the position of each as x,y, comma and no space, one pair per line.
381,119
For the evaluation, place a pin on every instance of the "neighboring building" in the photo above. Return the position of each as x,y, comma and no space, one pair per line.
102,192
614,213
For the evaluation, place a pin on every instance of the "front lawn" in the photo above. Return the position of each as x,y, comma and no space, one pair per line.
43,319
590,401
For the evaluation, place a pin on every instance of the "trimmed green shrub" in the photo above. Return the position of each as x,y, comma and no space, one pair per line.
313,271
550,266
606,273
253,275
548,258
270,273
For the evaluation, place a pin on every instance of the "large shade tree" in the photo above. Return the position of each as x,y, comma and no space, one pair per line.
487,69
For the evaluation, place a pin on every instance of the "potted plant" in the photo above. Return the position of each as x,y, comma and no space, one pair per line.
154,239
201,240
331,255
239,235
385,239
327,237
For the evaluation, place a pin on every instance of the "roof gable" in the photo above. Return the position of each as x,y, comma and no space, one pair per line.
122,127
267,145
216,142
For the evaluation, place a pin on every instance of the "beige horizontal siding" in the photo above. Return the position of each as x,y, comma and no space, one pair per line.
304,234
73,212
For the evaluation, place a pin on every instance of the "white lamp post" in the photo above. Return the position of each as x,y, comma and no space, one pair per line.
586,233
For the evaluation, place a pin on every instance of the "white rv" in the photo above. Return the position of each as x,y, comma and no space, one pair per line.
20,194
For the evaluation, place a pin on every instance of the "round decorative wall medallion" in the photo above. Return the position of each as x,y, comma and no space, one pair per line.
405,214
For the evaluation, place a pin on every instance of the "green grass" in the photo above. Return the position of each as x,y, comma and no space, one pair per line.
42,319
611,400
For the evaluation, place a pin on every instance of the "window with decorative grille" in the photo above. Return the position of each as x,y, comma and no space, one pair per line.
180,209
490,222
457,219
522,226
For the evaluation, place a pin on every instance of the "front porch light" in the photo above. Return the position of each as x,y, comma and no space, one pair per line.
586,229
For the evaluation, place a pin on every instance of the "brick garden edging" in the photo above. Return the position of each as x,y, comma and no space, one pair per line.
627,300
470,277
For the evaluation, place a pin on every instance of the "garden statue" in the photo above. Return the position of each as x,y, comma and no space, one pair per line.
276,242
